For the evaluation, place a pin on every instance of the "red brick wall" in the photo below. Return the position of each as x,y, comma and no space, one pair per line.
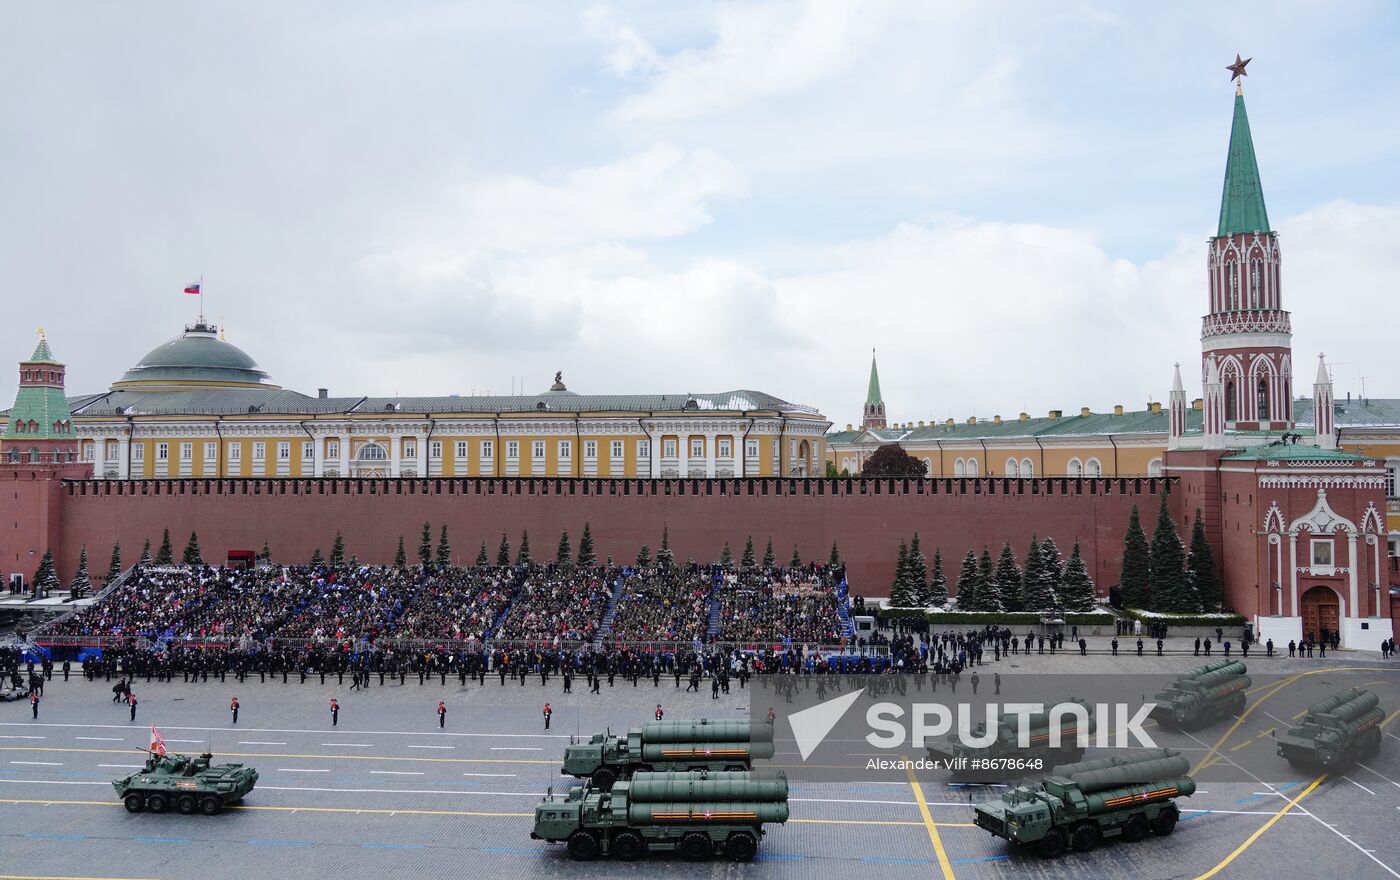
30,516
868,518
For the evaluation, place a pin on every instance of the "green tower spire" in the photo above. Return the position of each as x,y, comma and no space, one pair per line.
872,395
41,407
1242,203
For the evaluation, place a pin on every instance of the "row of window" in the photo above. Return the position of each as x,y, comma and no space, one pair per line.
32,427
1024,468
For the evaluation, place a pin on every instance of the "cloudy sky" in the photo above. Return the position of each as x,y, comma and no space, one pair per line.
1008,200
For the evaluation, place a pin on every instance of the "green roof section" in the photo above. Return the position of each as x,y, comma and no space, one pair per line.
42,354
1293,452
1242,202
872,394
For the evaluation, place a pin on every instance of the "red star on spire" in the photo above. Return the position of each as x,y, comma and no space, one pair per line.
1237,69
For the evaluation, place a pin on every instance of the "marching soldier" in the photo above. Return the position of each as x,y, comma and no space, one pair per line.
659,713
233,707
131,701
548,713
442,714
34,702
335,712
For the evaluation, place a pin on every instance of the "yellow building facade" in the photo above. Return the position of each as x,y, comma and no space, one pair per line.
199,407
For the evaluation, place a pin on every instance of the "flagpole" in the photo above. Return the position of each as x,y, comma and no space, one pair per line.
201,298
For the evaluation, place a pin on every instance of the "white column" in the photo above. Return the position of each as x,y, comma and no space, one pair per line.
345,454
710,440
1353,574
741,454
683,451
123,456
655,444
317,456
420,441
1293,573
395,442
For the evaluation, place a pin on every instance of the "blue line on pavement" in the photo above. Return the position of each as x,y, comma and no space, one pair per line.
391,846
1290,785
507,849
1253,797
888,859
58,836
983,859
1195,815
163,840
763,858
280,843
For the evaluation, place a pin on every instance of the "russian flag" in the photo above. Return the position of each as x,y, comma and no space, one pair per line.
192,288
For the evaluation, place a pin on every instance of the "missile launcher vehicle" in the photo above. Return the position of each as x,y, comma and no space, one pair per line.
696,814
1203,696
668,745
1080,804
1336,733
1004,758
186,784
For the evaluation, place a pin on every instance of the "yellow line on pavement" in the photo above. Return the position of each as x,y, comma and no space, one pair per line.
1249,841
1241,745
314,757
1389,718
944,864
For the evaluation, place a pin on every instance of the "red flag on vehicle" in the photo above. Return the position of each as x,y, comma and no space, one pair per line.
157,742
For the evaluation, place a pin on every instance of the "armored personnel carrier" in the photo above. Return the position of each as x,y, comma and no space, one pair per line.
186,784
668,745
1004,758
1337,732
696,814
1203,696
1080,804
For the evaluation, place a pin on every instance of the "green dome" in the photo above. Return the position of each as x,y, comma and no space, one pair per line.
197,356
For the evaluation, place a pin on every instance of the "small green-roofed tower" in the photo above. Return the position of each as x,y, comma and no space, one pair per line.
40,421
874,404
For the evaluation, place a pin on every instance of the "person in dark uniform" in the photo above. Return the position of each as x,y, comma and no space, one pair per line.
548,713
1159,647
597,683
996,681
131,701
659,712
1083,648
442,714
34,703
335,712
1114,646
65,670
233,707
1139,647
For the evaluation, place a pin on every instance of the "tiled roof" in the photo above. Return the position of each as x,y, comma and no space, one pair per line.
1094,424
1292,452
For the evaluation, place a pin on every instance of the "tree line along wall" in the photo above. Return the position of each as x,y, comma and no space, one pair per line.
866,517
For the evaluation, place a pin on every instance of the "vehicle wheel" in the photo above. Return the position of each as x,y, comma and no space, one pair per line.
1052,844
603,779
1135,828
134,803
157,803
185,804
210,805
1086,836
629,846
740,847
583,846
1165,822
695,847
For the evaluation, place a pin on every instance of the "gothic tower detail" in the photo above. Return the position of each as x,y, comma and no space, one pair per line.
1178,409
1324,416
1246,330
1214,406
874,404
39,428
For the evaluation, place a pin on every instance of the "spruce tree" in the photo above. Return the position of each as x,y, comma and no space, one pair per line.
748,560
899,587
166,554
587,558
425,545
265,555
768,558
401,556
664,557
338,551
1077,587
503,552
317,560
968,586
145,558
82,581
523,557
482,560
937,582
644,557
1134,583
988,589
1170,590
444,549
796,560
1052,570
565,554
192,555
114,570
1201,562
834,559
726,558
1033,581
918,574
1008,578
45,578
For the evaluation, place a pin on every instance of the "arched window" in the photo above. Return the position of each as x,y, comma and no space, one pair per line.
1092,468
14,456
972,467
1012,469
372,452
33,427
1154,467
1263,399
33,455
19,426
1256,282
1074,468
959,468
1232,276
1231,404
1027,469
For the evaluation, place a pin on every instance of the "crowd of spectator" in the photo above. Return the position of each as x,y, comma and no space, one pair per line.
663,604
554,605
780,605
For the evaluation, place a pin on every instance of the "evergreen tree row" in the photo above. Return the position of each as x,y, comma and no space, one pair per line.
992,585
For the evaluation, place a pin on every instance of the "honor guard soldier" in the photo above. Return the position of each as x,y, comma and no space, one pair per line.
335,712
659,712
548,713
442,714
34,703
233,707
